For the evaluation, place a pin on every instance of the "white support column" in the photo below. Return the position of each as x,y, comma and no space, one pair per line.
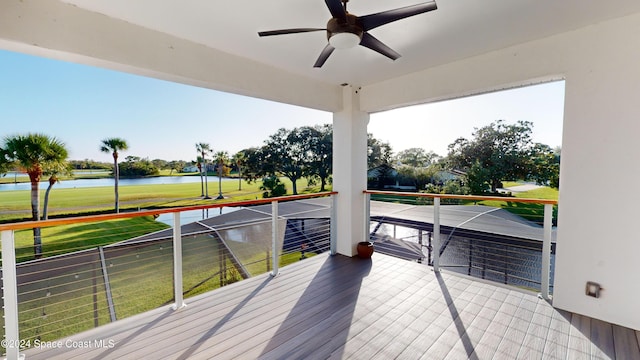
10,294
545,276
436,234
274,238
350,170
177,263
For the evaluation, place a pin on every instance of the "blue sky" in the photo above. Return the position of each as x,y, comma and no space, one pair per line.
82,105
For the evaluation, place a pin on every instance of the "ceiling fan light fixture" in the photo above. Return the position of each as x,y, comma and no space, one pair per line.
344,40
345,30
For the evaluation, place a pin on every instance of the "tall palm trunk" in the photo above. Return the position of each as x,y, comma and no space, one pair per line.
35,214
201,180
45,207
239,178
220,168
116,171
206,184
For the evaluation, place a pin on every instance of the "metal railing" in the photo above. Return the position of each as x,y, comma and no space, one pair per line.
502,239
75,286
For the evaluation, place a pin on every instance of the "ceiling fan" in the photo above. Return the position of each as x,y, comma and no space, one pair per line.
345,30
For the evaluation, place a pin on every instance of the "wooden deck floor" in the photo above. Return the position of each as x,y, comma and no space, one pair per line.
339,308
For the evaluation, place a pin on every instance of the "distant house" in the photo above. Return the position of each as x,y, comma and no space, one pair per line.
382,170
443,176
385,177
190,169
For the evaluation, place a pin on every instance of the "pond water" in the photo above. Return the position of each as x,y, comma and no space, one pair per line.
70,184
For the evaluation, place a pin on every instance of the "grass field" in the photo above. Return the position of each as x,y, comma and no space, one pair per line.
16,205
68,238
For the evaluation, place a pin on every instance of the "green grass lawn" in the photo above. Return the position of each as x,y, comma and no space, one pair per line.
68,238
532,212
15,205
506,184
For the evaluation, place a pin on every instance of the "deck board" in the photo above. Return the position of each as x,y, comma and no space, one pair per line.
579,346
536,334
602,340
557,338
335,307
626,345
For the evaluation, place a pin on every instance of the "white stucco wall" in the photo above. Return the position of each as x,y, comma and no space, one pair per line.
598,237
599,213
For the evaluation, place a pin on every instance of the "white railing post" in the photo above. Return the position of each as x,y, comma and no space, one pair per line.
274,238
367,217
107,284
545,276
436,234
333,227
177,263
10,295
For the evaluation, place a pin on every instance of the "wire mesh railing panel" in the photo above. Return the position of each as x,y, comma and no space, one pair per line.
140,276
251,245
306,237
61,296
509,264
498,239
206,264
91,273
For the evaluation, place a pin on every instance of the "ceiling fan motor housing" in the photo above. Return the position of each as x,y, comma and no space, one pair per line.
340,26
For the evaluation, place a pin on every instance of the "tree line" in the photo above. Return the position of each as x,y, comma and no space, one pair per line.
496,152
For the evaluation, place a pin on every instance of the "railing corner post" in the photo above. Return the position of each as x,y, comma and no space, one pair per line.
274,238
367,217
177,263
10,295
545,276
333,227
436,234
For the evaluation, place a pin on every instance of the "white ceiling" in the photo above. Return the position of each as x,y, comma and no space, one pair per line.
457,29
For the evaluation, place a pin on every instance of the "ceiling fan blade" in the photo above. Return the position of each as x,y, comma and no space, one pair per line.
336,9
324,55
372,21
376,45
288,31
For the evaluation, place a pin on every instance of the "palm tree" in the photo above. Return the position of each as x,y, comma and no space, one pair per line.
173,165
238,159
204,149
54,170
33,153
198,164
222,157
4,164
113,146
